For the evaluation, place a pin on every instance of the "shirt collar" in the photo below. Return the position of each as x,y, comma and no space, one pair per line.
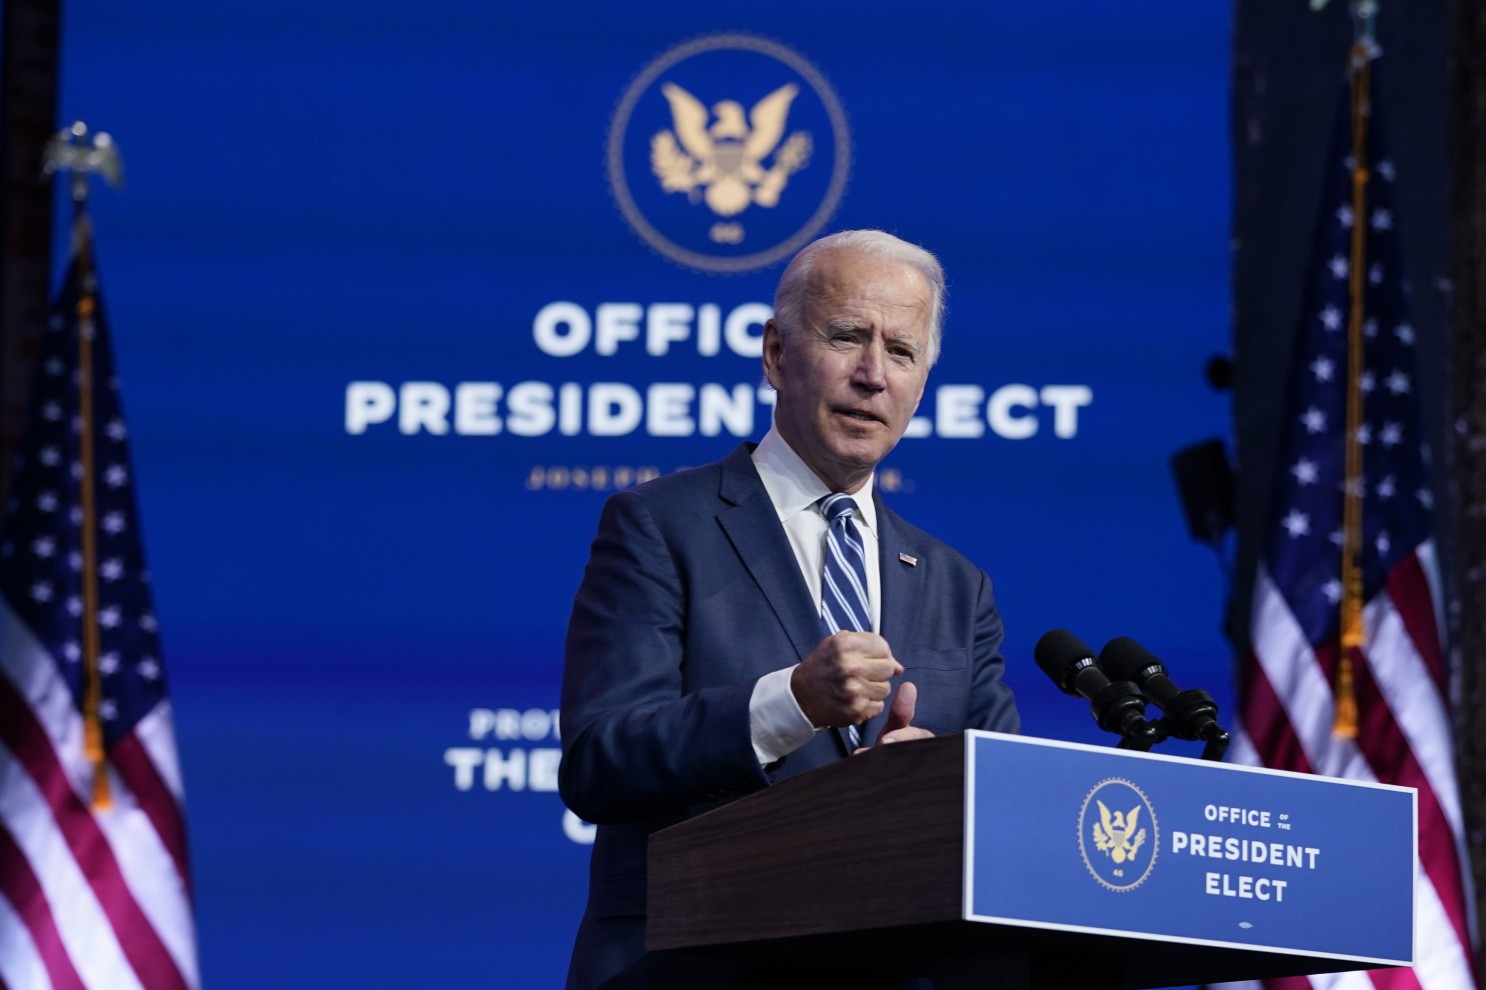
794,488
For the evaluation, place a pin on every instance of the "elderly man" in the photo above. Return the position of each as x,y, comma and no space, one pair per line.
747,621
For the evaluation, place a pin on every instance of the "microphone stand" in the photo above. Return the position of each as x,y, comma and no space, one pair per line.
1114,704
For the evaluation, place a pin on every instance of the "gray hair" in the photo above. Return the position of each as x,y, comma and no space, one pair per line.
794,284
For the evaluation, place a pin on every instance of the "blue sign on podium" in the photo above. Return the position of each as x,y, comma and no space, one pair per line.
1145,846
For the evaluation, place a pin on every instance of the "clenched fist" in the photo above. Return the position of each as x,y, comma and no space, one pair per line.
845,679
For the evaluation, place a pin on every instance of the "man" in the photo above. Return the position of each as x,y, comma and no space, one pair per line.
727,635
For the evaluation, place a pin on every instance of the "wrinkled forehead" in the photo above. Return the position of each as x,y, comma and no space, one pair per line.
885,293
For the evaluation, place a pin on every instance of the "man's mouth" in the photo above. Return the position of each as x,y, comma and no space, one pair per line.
859,415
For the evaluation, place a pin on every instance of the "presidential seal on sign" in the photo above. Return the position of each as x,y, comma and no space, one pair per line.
1118,835
728,153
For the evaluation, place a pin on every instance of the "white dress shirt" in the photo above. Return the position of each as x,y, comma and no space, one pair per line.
778,725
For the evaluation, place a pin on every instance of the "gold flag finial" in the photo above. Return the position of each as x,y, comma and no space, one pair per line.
81,152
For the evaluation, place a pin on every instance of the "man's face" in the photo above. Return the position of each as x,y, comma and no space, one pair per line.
850,378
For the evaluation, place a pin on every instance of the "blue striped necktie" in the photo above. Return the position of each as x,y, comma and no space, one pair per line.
844,603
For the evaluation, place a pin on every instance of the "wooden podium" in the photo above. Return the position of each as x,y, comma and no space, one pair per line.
985,860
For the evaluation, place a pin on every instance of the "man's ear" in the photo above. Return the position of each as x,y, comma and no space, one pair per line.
773,352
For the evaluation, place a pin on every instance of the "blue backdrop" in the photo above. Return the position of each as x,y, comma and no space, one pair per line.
371,450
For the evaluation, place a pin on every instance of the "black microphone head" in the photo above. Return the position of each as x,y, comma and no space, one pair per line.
1061,655
1123,659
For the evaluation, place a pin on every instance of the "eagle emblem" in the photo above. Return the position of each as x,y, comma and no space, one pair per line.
722,162
1118,834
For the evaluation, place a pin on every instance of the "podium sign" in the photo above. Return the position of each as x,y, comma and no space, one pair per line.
1052,864
1082,839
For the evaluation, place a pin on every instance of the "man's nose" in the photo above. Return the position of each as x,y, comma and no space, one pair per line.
871,369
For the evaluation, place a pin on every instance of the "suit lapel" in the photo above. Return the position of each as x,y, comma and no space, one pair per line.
902,591
752,524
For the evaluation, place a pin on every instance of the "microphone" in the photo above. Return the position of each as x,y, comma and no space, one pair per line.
1190,714
1118,707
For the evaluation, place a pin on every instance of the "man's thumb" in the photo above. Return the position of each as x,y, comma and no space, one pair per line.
900,712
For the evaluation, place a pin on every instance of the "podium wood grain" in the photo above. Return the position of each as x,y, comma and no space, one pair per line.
844,848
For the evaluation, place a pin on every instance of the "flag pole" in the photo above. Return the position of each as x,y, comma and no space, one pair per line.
1352,634
75,151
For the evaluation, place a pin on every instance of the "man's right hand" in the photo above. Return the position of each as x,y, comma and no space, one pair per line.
844,679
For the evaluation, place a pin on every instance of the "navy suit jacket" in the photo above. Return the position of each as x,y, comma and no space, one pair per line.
691,594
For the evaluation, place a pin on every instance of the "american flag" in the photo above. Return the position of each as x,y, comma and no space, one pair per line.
94,881
1287,683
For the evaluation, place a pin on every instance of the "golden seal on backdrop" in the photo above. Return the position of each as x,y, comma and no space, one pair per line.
728,153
